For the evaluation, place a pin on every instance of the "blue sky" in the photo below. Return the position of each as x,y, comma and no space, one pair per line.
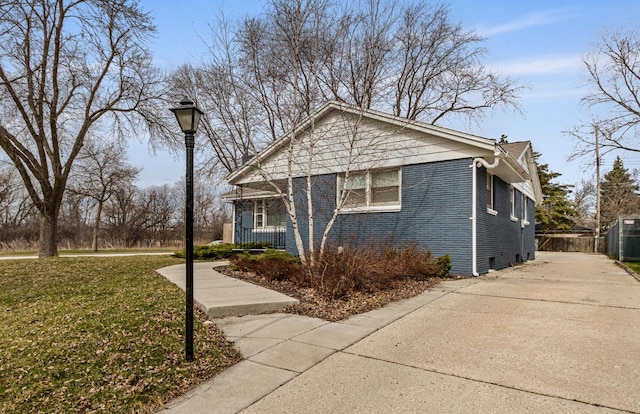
540,43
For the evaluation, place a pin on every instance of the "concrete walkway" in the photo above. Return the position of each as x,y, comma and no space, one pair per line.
557,335
219,295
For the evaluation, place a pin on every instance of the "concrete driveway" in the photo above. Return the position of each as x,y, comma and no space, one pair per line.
557,335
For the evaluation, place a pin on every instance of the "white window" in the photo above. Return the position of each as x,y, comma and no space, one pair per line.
269,213
490,209
512,202
385,187
370,190
355,189
525,214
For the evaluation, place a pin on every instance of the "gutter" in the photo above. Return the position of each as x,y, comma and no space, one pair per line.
477,163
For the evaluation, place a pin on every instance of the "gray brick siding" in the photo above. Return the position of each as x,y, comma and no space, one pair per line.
435,214
500,240
436,207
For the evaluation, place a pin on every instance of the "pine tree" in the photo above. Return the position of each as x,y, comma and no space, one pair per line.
556,211
619,194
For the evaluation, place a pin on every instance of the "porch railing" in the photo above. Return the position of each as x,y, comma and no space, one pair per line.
248,238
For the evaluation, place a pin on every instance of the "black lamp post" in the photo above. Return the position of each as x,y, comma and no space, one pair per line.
188,116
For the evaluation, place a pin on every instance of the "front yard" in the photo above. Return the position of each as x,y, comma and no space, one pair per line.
98,334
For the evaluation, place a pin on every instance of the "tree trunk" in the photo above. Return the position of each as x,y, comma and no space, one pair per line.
96,227
48,234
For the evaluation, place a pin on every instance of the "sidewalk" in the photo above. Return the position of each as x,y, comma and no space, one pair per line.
556,335
277,347
220,296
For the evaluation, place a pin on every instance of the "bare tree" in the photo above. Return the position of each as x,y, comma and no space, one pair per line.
101,170
66,69
209,211
440,71
268,73
614,76
120,214
16,212
584,200
286,63
157,215
7,193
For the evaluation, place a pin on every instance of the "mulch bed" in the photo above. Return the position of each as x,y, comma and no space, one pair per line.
315,305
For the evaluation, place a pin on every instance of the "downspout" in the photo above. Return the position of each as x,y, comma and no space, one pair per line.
477,162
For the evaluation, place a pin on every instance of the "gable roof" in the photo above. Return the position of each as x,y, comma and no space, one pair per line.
515,148
334,106
407,142
522,151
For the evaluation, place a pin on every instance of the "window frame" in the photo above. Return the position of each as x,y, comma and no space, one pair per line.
512,203
490,194
369,206
525,211
264,215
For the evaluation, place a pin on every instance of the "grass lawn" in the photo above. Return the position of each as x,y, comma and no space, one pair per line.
96,334
635,266
86,251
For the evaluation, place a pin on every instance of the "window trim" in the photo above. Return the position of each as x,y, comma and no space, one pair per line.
369,208
490,189
264,228
525,212
512,203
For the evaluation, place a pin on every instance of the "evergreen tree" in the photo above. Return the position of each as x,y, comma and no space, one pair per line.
619,194
556,211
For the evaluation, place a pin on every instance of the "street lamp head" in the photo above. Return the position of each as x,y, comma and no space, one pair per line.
188,116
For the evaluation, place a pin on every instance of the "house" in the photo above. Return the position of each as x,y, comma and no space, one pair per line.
383,179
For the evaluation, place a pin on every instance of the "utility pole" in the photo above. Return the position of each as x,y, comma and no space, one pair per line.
597,240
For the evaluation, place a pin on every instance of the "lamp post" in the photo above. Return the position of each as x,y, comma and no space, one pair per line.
188,116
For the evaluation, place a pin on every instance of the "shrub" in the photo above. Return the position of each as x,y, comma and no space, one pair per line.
254,245
220,251
444,263
272,264
209,252
340,273
369,269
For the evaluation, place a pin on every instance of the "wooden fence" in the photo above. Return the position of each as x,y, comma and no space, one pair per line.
569,244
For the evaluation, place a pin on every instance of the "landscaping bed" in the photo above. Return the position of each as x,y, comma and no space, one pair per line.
381,279
317,306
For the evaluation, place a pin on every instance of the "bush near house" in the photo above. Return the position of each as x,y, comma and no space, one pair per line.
220,251
272,264
342,272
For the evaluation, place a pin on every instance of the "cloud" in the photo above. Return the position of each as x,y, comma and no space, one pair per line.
541,18
540,65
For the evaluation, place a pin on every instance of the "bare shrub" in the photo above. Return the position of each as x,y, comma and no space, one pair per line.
341,272
272,264
369,269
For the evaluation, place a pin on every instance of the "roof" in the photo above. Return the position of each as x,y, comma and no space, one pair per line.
515,148
241,193
331,106
400,141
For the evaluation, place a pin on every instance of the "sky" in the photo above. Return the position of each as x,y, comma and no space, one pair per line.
538,43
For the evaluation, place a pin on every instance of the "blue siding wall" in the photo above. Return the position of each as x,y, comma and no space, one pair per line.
244,231
501,240
436,211
323,190
436,206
